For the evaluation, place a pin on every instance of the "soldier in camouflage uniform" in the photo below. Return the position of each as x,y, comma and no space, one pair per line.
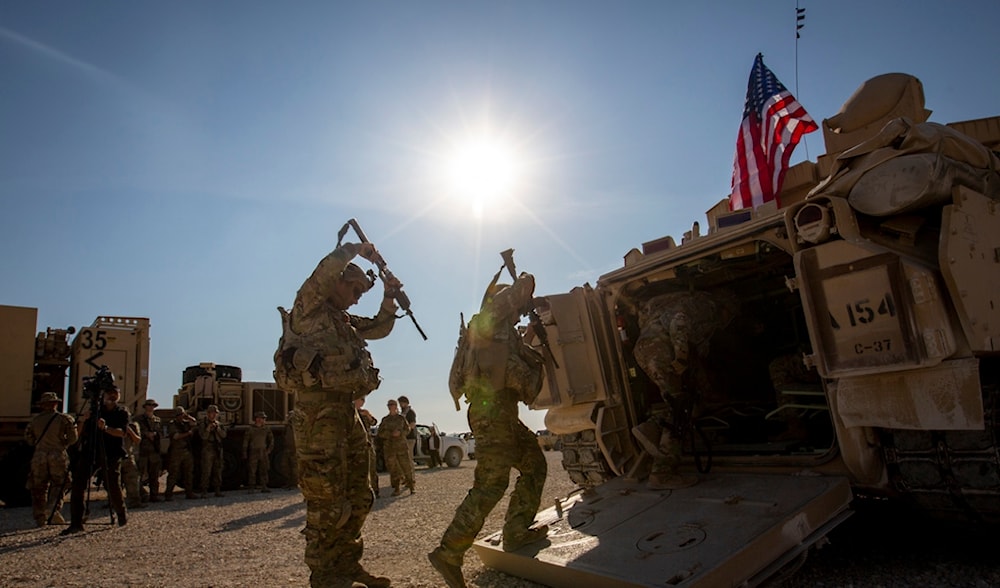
258,443
150,463
499,371
369,421
181,468
212,433
322,357
51,432
673,344
398,459
130,471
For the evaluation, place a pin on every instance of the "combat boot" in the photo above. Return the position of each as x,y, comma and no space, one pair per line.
515,541
449,570
362,576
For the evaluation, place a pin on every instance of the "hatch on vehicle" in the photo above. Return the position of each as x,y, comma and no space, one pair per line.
727,530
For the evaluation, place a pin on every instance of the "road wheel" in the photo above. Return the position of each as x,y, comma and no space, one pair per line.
453,457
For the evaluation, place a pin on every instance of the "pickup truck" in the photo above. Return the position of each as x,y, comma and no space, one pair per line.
453,448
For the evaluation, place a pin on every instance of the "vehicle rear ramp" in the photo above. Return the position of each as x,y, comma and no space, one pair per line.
727,530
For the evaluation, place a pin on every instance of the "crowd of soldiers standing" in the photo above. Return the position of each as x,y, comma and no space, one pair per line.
55,435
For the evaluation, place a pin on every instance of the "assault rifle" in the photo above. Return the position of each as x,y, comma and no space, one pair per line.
535,320
383,271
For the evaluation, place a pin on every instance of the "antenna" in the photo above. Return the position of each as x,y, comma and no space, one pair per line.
800,22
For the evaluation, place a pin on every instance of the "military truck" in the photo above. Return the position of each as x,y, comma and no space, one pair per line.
31,364
875,288
222,385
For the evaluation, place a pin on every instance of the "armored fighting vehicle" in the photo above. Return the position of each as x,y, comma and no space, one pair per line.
208,383
862,362
33,363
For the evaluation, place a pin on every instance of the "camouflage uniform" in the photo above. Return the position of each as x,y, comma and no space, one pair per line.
370,421
288,454
150,463
500,371
676,329
130,471
258,443
181,468
50,462
322,356
396,452
211,452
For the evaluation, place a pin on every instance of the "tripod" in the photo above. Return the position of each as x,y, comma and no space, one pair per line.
93,457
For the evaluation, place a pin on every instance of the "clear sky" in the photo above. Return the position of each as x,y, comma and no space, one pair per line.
191,162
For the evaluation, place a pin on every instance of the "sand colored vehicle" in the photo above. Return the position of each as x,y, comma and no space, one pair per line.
60,360
861,361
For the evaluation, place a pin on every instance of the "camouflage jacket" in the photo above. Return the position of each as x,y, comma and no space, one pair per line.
257,438
323,347
149,430
211,436
704,313
496,356
58,436
390,424
180,428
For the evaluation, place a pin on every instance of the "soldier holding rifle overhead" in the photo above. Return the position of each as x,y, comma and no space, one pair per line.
323,357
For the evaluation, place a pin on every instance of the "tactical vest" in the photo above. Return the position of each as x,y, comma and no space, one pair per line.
332,356
494,357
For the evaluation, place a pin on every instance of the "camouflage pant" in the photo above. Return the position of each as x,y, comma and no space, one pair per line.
151,465
130,477
211,467
372,466
399,462
663,352
181,471
333,449
501,444
48,474
258,462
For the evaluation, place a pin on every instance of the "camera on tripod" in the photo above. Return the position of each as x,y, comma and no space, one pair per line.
102,381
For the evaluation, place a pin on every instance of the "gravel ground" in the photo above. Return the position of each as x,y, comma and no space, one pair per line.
254,540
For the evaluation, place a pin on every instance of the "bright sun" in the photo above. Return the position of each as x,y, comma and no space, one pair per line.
483,172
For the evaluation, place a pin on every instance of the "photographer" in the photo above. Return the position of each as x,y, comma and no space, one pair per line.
101,446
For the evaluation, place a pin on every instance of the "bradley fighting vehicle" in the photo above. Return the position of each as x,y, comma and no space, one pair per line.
31,364
875,283
222,385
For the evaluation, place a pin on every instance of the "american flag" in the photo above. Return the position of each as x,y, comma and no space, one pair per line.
773,123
